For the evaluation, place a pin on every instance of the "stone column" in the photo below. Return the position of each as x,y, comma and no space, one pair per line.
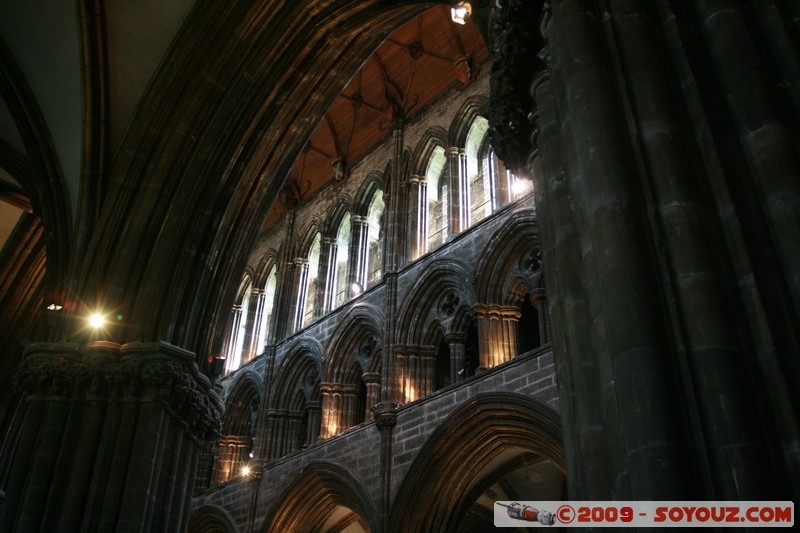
620,370
373,382
455,341
299,290
385,421
347,410
427,359
399,375
270,448
497,333
232,358
328,261
418,215
233,454
293,436
314,410
331,406
539,300
358,261
459,191
254,481
108,438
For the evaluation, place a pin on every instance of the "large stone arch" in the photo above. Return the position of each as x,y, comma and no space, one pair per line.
248,386
442,279
469,111
207,209
352,374
294,406
433,137
235,443
376,181
322,487
211,519
359,323
304,357
447,468
511,257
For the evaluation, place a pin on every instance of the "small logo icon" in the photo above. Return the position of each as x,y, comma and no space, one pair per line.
529,514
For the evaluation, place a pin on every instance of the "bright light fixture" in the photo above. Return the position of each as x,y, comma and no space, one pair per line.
459,13
245,471
54,307
520,186
357,288
97,321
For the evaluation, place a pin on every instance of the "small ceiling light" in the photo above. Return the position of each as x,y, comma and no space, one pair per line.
55,307
97,321
245,471
460,12
357,288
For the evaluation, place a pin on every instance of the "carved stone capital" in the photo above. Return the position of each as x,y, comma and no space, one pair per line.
109,372
385,415
515,44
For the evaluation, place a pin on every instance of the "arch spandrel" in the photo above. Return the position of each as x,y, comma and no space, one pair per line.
205,210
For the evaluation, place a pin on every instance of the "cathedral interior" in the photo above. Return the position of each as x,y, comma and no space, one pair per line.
372,266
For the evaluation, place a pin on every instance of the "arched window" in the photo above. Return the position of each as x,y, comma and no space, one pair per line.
269,303
505,185
238,331
481,193
437,205
374,258
311,282
340,287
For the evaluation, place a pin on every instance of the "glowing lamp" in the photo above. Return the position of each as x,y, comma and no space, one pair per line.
460,12
97,321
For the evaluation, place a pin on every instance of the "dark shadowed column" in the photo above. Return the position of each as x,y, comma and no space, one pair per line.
628,432
109,438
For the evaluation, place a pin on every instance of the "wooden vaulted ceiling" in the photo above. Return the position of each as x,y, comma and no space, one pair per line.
412,67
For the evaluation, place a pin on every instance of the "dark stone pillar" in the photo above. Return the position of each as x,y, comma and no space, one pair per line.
385,421
108,440
625,435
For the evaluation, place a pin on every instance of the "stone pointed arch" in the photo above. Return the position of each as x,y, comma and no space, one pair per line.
376,181
335,214
433,137
247,389
359,324
322,487
469,111
238,426
510,261
304,359
467,442
293,412
442,290
267,262
211,519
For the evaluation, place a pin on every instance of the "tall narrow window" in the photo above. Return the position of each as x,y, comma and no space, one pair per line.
500,178
342,258
269,301
238,330
480,187
312,282
374,259
437,191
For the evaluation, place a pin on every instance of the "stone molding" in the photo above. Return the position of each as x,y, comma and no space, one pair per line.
107,371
